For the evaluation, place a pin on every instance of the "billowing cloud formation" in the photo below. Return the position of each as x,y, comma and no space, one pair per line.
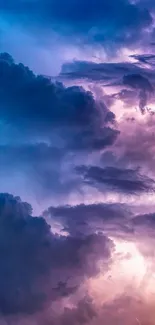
46,277
34,102
103,138
44,123
87,219
136,81
29,94
33,260
82,153
113,22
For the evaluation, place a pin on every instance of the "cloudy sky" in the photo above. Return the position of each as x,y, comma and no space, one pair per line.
77,162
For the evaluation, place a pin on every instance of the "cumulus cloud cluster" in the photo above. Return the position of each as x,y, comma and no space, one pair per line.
44,123
34,261
80,148
49,277
131,81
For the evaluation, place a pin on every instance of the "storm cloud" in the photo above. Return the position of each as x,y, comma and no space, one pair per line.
95,22
124,180
85,219
43,124
34,260
37,104
77,142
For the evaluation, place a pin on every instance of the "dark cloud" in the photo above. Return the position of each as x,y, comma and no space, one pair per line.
39,107
127,181
136,81
142,84
145,220
34,261
105,72
43,124
35,100
22,263
144,58
63,140
86,219
104,22
131,82
86,141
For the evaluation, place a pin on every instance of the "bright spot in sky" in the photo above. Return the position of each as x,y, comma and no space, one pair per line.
128,260
126,273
